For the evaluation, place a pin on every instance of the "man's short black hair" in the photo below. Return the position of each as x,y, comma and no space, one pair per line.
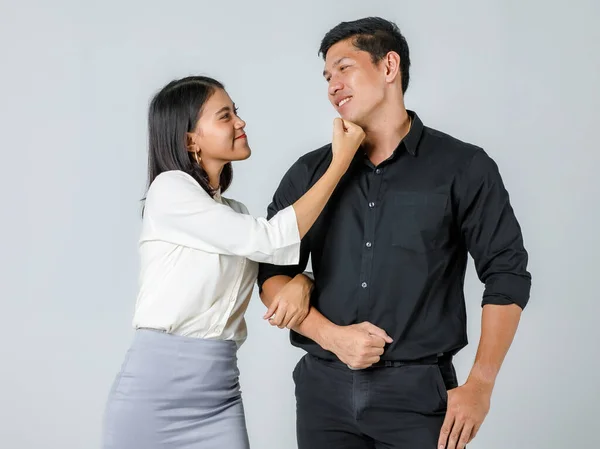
374,35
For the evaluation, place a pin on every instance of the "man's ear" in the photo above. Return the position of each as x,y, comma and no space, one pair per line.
392,66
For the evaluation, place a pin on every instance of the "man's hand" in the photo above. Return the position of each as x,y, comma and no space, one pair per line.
357,345
291,304
468,405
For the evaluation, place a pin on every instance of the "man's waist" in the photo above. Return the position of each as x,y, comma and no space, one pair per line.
437,359
395,354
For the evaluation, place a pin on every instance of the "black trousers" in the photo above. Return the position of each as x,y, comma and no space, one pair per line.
393,407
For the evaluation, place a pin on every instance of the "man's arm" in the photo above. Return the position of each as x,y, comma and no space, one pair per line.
357,345
498,327
469,404
315,326
493,238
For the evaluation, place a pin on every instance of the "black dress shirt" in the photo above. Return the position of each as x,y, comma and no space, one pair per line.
391,245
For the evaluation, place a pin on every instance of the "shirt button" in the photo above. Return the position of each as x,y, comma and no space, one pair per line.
371,204
369,244
378,171
364,285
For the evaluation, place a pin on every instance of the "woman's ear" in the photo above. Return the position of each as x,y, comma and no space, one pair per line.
190,144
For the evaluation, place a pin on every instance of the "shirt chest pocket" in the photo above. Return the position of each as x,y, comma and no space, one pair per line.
418,220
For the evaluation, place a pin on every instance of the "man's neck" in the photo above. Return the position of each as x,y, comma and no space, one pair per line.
386,132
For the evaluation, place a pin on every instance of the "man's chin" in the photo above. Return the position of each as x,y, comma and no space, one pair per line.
356,120
349,117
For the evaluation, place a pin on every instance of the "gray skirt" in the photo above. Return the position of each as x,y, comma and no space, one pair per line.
176,392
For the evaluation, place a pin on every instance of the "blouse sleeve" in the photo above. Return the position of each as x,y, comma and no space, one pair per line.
180,211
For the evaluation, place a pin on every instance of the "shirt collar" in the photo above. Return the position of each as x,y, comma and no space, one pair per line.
412,139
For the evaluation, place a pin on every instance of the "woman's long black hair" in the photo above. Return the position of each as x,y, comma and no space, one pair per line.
174,111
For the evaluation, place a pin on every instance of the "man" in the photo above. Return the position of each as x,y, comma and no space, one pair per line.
389,254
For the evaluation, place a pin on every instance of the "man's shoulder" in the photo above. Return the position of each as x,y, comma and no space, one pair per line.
456,154
437,140
314,158
310,165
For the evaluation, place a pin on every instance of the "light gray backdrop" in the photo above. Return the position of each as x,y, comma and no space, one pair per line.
519,78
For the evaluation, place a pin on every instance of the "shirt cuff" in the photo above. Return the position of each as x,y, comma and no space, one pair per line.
505,288
289,253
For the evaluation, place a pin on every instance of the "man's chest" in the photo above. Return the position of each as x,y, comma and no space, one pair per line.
387,212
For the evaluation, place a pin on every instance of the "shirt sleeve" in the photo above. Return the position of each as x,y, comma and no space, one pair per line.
180,211
492,233
293,185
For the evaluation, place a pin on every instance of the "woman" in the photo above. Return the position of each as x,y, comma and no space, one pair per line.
178,386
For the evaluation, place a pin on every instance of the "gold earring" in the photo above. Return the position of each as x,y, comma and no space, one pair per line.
198,158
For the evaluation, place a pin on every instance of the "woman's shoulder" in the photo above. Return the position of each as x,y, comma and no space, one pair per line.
176,186
175,182
173,178
174,189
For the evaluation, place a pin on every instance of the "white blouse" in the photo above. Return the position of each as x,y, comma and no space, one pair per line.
199,258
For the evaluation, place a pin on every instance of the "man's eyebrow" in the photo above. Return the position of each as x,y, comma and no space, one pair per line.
336,63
